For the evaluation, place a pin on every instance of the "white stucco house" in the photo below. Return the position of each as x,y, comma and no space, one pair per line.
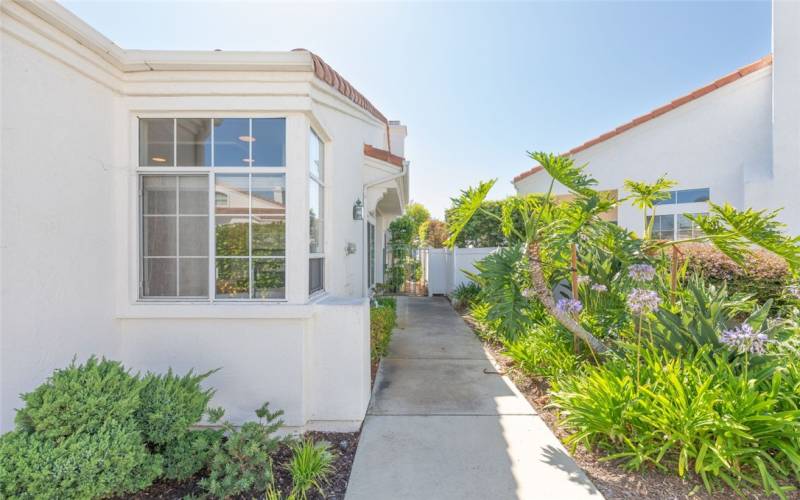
193,210
735,140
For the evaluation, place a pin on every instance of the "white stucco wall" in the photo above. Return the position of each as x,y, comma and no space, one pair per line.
69,225
719,141
57,246
781,190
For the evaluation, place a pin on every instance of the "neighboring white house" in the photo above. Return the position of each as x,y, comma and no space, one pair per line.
193,210
736,140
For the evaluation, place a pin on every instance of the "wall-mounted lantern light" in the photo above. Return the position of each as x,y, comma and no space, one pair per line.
358,210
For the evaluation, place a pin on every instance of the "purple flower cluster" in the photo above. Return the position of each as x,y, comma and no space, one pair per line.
597,287
642,272
570,306
582,280
641,301
744,339
794,290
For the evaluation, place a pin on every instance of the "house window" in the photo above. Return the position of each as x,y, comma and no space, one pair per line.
371,257
664,227
686,196
231,245
675,227
316,213
174,236
687,228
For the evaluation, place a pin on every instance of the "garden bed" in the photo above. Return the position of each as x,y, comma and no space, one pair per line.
613,481
344,445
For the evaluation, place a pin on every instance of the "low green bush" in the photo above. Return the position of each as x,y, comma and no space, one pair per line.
80,398
189,454
96,430
764,275
242,462
381,321
465,294
735,422
110,460
170,404
544,351
387,301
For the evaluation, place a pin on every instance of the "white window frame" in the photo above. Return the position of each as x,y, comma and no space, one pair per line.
321,182
211,172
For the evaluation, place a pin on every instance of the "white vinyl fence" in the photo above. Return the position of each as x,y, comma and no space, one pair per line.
444,269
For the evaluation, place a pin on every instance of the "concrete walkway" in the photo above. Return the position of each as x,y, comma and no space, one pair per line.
443,424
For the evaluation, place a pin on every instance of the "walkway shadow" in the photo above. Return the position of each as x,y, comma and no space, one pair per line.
556,457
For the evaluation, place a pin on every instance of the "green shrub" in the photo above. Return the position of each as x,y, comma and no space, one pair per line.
763,276
80,398
310,466
241,463
544,352
465,294
170,404
699,414
111,460
381,323
95,430
387,301
190,453
487,329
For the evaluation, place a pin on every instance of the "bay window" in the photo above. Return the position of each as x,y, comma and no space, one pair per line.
316,213
212,207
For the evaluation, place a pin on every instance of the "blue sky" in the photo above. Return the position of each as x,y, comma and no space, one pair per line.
478,84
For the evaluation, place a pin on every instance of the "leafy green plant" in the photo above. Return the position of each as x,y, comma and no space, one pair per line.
109,460
465,294
190,453
645,196
170,404
544,351
381,323
697,413
242,463
80,398
310,466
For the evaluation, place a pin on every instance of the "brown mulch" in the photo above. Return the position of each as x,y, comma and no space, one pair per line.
343,444
613,481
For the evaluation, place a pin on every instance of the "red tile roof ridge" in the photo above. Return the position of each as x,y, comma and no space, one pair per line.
327,74
383,155
691,96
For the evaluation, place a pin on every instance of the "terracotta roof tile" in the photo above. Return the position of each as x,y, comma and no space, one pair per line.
327,74
704,90
383,155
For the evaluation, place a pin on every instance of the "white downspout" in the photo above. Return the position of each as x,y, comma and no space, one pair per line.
364,249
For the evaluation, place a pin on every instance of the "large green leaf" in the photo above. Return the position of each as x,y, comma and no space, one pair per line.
464,207
565,172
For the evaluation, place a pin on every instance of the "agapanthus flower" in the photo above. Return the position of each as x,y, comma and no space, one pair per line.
528,293
570,306
641,301
597,287
744,339
794,290
642,272
582,280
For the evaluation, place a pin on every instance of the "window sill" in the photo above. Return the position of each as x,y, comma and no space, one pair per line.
217,310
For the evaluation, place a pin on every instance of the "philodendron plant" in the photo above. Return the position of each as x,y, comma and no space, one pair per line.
549,228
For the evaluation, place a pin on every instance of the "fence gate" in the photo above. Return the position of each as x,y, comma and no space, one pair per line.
445,268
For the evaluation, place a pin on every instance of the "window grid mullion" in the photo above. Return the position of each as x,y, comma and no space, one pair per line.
250,273
177,236
212,233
